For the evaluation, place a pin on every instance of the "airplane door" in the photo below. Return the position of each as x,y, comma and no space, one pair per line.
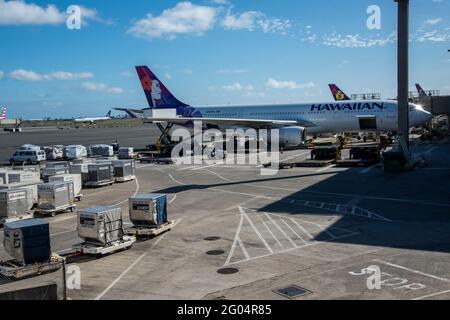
367,123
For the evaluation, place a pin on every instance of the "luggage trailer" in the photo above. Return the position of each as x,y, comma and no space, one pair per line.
13,269
150,232
96,249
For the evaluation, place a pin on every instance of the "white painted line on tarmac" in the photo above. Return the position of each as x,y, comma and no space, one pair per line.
279,228
367,170
324,169
62,232
241,245
173,199
200,168
432,295
236,240
256,230
290,228
124,273
301,228
175,180
413,271
135,193
221,177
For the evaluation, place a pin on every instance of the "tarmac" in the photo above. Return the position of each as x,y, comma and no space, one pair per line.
241,235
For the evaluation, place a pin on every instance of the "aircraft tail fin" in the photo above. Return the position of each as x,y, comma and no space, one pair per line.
337,93
158,96
3,114
108,115
421,92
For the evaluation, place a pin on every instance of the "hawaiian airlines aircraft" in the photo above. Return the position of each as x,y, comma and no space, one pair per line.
338,94
294,121
3,114
420,91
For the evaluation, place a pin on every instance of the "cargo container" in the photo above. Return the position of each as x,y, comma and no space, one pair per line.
100,174
28,241
14,204
100,225
31,188
148,209
101,150
74,152
75,178
58,164
81,169
19,176
124,170
49,172
55,197
126,153
54,152
30,147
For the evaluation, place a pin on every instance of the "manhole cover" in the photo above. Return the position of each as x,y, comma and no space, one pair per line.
228,270
215,252
292,292
212,238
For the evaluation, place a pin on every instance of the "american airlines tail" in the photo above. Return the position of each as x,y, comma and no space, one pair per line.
3,115
421,92
337,93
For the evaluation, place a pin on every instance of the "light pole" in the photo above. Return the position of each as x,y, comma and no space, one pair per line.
402,72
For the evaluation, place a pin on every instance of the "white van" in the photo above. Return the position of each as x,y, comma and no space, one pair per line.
27,156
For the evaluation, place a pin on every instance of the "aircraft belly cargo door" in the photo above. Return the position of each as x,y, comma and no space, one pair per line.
368,122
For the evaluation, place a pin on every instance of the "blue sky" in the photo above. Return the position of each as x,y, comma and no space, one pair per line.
210,52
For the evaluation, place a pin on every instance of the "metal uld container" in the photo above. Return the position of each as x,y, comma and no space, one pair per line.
125,153
124,168
75,178
148,209
49,172
100,225
82,169
101,172
55,195
103,150
16,176
31,188
28,241
58,164
13,202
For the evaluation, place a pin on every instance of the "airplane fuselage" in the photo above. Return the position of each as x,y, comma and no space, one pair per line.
371,115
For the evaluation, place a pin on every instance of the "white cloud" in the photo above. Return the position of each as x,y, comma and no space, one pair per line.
101,87
275,84
252,20
245,21
184,18
18,12
188,71
434,36
167,76
233,87
357,41
126,74
219,1
235,71
28,75
1,74
432,22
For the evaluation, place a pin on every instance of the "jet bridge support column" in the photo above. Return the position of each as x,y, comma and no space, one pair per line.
403,77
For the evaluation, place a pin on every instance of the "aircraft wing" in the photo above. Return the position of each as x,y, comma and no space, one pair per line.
252,123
